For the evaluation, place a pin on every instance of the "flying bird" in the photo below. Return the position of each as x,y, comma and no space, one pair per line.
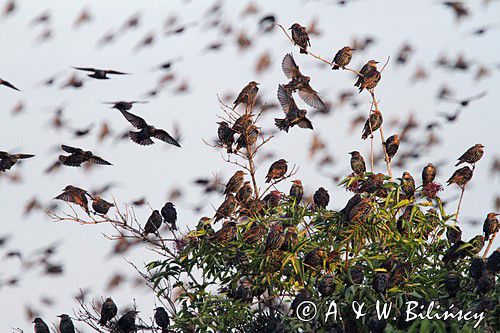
100,74
75,195
293,115
78,156
124,106
7,160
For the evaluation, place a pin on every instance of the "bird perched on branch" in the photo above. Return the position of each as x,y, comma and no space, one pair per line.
248,138
321,198
293,115
372,124
154,223
126,323
66,324
244,193
40,326
108,311
124,106
76,195
275,238
490,225
297,191
408,185
226,233
360,212
300,37
79,156
461,176
143,137
8,84
226,135
255,233
100,74
227,208
391,146
162,319
277,170
100,205
7,160
247,94
169,214
369,76
300,83
357,163
428,174
342,58
472,155
235,182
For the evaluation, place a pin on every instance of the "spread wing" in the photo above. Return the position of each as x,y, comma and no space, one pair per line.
98,160
72,160
286,100
165,137
87,69
289,67
116,72
136,121
71,150
3,154
311,97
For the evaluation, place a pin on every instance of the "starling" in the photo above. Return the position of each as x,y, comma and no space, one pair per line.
348,207
300,37
376,323
321,198
40,326
124,106
244,193
391,146
162,319
326,285
452,283
291,239
275,238
255,233
428,174
247,139
100,74
247,94
493,262
370,80
169,215
408,185
315,258
380,282
461,176
8,84
76,195
235,182
244,291
66,324
126,323
453,234
143,137
7,160
297,191
243,123
490,225
293,116
300,298
360,212
272,199
370,65
342,58
226,233
372,124
486,282
108,311
226,135
79,156
300,83
227,208
357,163
277,170
153,224
472,155
100,205
356,274
454,252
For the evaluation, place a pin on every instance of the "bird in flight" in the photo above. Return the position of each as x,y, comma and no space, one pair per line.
7,160
8,84
78,156
100,74
124,106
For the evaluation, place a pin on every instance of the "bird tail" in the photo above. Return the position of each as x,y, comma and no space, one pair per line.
335,67
458,163
282,124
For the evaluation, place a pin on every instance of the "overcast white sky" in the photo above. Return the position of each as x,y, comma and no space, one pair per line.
154,171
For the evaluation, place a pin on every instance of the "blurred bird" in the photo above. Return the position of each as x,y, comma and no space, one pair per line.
40,326
226,233
227,208
8,84
79,156
235,182
458,8
461,176
300,37
293,116
126,323
372,124
275,238
124,106
169,214
321,198
326,286
100,205
391,146
428,174
226,135
82,18
153,223
297,191
315,258
7,160
490,225
342,58
277,170
247,94
66,324
143,137
75,195
357,163
100,74
162,319
108,311
472,155
244,193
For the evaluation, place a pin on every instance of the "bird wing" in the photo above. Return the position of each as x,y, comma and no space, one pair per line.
286,100
87,69
23,156
4,154
74,160
98,160
110,71
311,97
136,121
305,123
164,136
289,67
71,150
8,84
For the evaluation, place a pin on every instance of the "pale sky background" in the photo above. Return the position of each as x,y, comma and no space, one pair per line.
153,171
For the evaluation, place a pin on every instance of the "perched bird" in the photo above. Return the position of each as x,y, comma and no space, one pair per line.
391,146
226,135
452,283
490,225
360,211
255,233
226,233
244,193
428,174
277,170
326,285
342,58
7,160
408,185
380,282
162,319
472,155
315,258
143,137
248,138
79,156
297,191
300,83
235,182
275,238
126,323
321,198
124,106
108,311
100,205
476,245
370,79
300,37
76,195
357,163
153,224
291,239
40,326
100,74
461,176
66,324
372,124
169,214
8,84
247,94
227,208
272,199
372,64
293,115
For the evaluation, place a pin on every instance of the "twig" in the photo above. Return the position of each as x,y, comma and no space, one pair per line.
459,205
387,159
492,238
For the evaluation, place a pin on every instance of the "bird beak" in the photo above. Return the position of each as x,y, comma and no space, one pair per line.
376,62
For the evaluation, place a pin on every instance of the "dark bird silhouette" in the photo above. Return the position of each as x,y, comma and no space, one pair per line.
372,124
277,170
66,324
235,182
244,193
472,155
153,223
248,138
465,102
391,146
124,106
293,116
300,37
428,174
8,84
227,208
461,176
297,191
357,163
300,83
126,323
143,137
370,65
360,212
40,326
79,156
226,135
342,58
490,225
162,319
75,195
169,214
321,198
7,160
275,238
458,8
100,205
100,74
247,94
226,233
450,117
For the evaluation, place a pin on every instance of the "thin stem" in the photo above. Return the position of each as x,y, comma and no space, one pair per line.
492,238
459,205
